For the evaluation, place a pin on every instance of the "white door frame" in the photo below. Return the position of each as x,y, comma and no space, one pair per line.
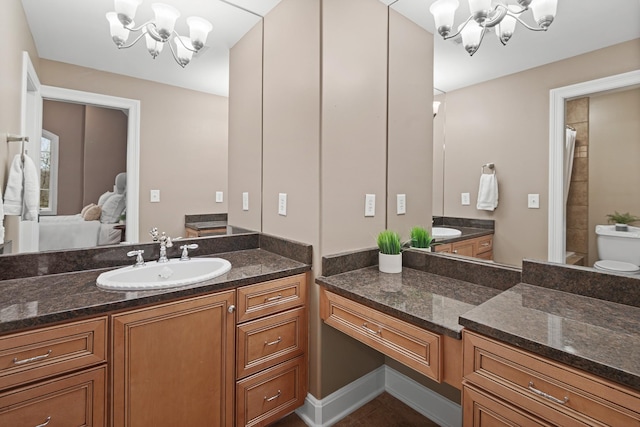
132,106
557,217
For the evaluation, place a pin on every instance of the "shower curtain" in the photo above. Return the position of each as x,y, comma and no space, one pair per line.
569,144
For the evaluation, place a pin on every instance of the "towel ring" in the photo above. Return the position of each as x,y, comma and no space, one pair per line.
490,166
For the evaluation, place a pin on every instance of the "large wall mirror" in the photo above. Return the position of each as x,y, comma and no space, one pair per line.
180,146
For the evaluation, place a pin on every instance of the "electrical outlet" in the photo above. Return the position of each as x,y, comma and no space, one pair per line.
370,205
466,199
219,197
282,204
154,196
245,201
534,201
401,202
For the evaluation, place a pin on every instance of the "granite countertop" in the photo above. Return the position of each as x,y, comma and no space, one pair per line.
42,300
205,225
423,299
595,335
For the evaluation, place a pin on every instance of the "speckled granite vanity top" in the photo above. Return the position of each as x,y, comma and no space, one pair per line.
599,336
37,301
427,300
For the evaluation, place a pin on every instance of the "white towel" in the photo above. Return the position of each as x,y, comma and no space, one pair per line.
488,192
22,195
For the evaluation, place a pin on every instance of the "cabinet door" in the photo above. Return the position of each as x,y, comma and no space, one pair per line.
464,247
173,364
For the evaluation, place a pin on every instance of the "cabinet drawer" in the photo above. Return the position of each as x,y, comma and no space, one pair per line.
271,394
480,409
552,391
271,340
406,343
34,355
484,244
73,400
271,297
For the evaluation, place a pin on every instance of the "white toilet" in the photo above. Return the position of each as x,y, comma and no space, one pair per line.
618,251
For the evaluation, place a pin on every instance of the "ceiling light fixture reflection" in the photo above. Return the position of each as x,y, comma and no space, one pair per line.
484,16
158,31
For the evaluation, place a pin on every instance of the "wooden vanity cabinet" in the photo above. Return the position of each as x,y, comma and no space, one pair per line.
173,364
55,374
479,247
272,337
504,385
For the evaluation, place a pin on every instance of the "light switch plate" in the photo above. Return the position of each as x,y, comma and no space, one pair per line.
401,202
370,205
219,197
533,201
466,199
245,201
154,196
282,204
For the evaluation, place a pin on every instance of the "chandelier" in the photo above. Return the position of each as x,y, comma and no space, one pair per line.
159,31
485,16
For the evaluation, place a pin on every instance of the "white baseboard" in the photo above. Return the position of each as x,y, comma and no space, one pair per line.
327,411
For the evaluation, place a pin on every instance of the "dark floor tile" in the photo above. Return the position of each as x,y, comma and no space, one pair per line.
383,411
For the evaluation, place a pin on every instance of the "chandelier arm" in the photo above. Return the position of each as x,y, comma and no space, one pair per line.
140,27
484,31
517,18
459,29
175,57
132,43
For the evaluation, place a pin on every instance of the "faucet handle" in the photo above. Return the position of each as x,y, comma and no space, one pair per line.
154,233
185,252
138,254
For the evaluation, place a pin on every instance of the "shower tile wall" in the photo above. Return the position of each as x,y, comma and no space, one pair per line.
577,238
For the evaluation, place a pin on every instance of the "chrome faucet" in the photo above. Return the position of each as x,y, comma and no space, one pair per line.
165,242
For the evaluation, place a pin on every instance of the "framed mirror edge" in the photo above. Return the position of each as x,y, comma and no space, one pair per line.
557,99
132,106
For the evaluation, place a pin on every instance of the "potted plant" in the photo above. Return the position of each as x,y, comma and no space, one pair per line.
421,239
390,255
622,220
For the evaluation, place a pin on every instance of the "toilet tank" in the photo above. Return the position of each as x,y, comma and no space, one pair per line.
618,245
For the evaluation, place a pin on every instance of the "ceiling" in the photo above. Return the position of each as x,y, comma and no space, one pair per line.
77,32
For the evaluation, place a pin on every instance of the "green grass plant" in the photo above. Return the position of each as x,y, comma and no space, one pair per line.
420,237
389,242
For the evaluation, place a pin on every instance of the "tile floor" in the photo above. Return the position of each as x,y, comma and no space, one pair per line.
383,411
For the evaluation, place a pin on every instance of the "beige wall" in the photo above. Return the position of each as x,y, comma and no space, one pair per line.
325,141
16,38
506,121
614,159
245,129
183,143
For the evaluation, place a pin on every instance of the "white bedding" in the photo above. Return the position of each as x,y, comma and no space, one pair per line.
72,232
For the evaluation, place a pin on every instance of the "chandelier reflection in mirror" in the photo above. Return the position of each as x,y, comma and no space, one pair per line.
486,14
158,31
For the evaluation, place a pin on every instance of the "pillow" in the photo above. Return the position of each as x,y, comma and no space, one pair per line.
86,208
104,197
93,213
113,208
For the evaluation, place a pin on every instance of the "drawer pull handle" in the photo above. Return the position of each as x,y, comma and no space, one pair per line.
31,359
547,396
276,298
371,331
231,308
273,342
455,251
45,422
485,244
272,398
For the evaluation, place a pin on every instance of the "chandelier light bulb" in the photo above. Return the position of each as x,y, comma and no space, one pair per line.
506,28
199,28
471,35
544,11
126,10
165,19
443,12
153,46
119,34
184,50
479,9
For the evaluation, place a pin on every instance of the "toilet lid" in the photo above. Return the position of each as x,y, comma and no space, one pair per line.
617,266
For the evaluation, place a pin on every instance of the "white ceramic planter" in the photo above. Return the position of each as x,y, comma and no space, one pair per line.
390,263
421,249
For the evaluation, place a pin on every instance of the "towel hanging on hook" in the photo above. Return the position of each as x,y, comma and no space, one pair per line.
22,139
490,166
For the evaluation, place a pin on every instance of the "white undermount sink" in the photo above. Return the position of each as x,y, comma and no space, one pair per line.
445,233
154,275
